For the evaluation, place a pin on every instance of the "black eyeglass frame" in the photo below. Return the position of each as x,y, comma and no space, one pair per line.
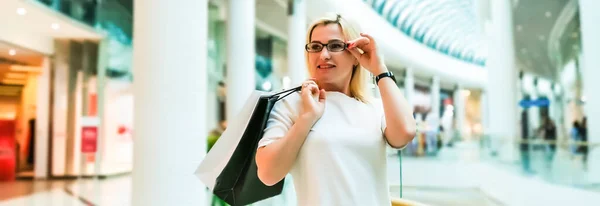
326,46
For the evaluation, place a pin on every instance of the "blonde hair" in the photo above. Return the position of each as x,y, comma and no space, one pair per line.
359,82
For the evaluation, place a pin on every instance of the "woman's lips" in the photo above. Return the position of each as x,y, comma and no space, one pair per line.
325,66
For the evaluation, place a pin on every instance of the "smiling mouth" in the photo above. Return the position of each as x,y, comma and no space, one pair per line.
325,66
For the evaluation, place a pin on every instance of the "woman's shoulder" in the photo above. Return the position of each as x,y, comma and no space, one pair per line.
290,102
293,97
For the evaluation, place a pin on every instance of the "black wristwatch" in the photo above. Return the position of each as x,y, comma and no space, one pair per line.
384,75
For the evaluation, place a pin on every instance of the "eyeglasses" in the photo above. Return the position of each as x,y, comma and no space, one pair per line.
332,46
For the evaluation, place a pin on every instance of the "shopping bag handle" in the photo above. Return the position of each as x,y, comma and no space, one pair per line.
289,91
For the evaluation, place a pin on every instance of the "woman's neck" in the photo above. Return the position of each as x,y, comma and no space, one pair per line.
328,87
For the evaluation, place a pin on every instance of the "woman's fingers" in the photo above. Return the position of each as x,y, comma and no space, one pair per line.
368,36
358,43
322,95
310,88
371,39
365,43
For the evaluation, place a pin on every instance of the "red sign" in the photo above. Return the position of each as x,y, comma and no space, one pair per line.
89,136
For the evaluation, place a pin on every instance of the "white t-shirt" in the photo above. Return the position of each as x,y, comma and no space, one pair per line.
343,159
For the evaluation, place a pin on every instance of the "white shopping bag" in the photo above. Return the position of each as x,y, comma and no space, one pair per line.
221,152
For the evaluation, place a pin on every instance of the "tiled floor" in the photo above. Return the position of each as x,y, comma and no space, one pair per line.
442,180
53,197
115,191
432,196
18,188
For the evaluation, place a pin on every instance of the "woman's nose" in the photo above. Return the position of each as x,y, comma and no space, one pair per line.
325,54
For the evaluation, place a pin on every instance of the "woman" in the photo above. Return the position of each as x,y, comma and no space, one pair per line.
332,136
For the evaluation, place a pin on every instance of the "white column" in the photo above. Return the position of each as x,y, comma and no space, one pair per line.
482,13
459,110
42,119
484,108
169,67
101,80
297,39
435,100
409,86
590,31
502,80
241,52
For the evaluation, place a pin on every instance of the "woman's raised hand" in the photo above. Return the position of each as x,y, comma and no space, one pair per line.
313,101
368,58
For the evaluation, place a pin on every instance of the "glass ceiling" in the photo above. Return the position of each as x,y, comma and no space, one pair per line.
448,26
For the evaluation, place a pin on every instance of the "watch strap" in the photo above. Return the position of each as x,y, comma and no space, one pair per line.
384,75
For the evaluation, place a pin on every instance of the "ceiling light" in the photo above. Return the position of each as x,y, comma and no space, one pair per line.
13,81
286,81
55,26
21,11
548,14
19,68
519,27
267,86
466,92
12,52
15,76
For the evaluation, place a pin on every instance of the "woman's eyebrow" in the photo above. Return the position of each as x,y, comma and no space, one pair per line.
336,39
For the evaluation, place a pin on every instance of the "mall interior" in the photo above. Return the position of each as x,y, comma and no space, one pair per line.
502,92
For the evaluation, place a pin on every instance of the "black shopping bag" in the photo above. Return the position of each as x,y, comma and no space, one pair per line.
237,182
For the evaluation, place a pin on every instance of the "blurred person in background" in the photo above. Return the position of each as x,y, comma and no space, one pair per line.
548,131
524,146
583,148
575,138
332,135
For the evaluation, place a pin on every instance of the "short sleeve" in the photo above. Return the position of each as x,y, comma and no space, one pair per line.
281,119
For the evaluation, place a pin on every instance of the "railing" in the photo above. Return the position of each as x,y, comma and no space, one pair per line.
83,11
107,15
110,17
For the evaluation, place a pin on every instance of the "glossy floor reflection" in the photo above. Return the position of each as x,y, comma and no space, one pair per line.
454,177
116,191
439,196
